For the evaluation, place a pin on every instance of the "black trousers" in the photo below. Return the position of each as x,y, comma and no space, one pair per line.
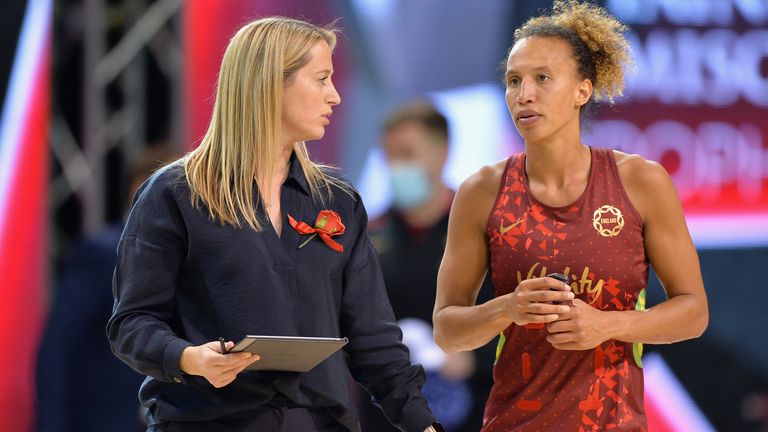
270,418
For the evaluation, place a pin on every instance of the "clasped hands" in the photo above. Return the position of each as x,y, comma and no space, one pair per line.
572,324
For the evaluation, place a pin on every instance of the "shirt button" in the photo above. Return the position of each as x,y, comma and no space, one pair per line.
176,379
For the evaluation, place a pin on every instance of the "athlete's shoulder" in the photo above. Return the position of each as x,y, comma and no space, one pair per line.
477,195
647,183
637,170
485,180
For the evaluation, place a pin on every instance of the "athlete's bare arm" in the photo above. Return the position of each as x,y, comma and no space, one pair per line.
460,324
684,315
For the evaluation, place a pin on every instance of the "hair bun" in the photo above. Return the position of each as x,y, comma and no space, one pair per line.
607,50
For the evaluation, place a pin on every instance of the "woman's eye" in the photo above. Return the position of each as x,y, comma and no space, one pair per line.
543,77
514,81
322,80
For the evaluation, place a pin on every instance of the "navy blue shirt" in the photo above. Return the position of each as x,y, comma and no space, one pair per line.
182,279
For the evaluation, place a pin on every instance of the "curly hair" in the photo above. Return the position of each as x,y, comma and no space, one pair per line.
597,39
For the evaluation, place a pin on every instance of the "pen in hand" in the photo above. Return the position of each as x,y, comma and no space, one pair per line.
223,345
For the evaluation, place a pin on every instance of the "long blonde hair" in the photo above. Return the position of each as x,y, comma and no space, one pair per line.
242,140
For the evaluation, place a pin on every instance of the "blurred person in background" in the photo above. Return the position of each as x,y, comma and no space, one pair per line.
569,355
410,239
754,409
219,244
74,361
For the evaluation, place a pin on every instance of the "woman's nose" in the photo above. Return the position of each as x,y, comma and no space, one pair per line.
526,92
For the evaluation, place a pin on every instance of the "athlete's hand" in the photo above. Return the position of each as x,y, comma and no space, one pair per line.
532,301
218,368
581,328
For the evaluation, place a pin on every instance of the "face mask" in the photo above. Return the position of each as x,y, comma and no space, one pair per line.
410,186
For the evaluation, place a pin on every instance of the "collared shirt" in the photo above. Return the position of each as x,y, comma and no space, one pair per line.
183,279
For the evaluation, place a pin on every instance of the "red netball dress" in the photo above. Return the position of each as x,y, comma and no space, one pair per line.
597,242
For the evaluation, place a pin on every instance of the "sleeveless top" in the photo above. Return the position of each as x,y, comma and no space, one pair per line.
597,242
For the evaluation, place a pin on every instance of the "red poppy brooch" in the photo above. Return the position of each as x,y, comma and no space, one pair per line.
327,225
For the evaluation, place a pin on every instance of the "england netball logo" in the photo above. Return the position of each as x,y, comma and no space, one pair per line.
608,221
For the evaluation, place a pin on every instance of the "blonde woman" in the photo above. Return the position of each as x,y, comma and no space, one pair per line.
246,235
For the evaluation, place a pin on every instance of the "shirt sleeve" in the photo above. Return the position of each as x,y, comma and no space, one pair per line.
378,359
149,258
